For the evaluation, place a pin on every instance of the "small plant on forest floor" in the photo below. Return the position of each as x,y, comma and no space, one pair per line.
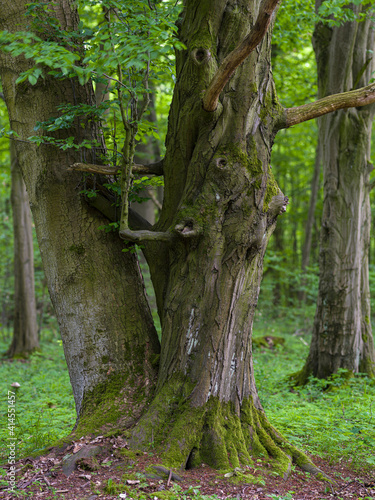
336,425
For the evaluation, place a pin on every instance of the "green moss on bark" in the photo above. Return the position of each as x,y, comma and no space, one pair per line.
272,189
213,433
113,404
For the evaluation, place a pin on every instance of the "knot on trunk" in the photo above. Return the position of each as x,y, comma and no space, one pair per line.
278,204
188,228
200,56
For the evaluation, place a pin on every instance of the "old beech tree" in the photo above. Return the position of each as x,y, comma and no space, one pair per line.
342,334
198,400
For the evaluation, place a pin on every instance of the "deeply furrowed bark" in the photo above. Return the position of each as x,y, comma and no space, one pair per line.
342,335
105,322
221,203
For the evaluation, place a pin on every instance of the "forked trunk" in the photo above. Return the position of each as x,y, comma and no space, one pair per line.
342,335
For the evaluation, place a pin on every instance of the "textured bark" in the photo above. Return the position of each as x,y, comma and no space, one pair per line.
98,295
205,255
342,336
220,206
25,328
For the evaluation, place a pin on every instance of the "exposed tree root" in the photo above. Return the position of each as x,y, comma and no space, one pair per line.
214,434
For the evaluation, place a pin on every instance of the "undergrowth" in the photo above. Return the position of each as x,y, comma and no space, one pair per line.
337,424
44,401
332,419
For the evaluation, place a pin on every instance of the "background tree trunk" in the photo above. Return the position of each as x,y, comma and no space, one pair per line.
96,289
146,153
25,328
306,247
342,336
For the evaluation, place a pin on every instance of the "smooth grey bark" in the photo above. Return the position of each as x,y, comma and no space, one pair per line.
306,247
25,329
342,335
96,289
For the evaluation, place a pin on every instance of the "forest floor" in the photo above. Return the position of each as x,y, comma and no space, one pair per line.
332,421
113,475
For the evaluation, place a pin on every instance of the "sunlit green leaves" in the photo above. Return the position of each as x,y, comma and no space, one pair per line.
337,12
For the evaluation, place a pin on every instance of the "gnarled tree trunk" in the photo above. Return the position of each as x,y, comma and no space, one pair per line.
25,329
221,202
342,335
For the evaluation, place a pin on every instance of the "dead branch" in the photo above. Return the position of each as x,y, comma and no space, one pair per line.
151,169
141,236
239,54
351,99
155,201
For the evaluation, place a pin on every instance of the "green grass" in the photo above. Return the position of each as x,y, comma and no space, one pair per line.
336,424
45,405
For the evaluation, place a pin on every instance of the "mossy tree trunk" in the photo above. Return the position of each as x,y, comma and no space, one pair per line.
96,289
221,202
25,329
342,335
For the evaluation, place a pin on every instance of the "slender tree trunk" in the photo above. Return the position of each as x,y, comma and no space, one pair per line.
146,153
279,288
96,289
306,247
25,328
342,336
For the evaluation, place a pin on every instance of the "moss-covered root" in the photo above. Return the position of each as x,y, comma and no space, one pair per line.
214,434
300,378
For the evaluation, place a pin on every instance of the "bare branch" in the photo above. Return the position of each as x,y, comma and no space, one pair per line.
154,199
239,54
351,99
94,169
140,236
151,169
